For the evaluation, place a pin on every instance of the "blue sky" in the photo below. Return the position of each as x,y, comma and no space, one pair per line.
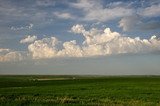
45,30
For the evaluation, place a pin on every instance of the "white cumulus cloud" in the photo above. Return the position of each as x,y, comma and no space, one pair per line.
71,49
97,43
29,39
108,42
7,55
44,48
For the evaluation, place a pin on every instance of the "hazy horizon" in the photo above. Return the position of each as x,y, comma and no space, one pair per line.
144,64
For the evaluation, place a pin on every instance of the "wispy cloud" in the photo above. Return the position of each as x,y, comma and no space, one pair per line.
95,11
151,11
132,23
64,15
129,23
28,27
45,2
129,15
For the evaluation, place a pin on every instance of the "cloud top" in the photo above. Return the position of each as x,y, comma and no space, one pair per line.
29,39
97,43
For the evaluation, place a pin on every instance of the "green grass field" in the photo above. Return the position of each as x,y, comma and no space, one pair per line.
80,90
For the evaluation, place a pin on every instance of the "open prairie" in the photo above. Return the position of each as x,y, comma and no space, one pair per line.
79,90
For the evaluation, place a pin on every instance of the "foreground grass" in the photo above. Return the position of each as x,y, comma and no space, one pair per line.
80,90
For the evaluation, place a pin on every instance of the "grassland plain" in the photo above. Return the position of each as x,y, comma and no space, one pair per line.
45,90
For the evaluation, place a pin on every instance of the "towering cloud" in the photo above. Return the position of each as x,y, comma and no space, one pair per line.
97,42
45,48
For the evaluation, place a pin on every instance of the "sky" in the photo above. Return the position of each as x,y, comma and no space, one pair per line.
84,37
